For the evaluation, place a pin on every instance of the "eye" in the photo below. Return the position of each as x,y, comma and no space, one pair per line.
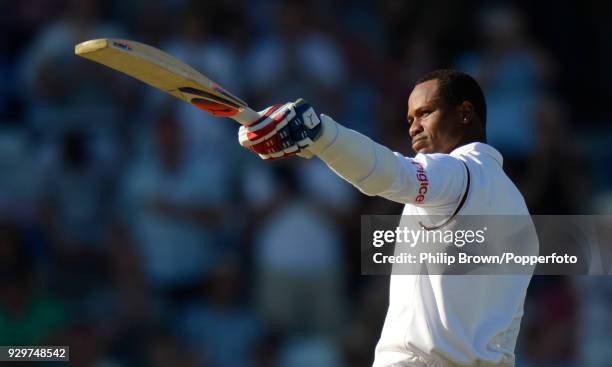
410,120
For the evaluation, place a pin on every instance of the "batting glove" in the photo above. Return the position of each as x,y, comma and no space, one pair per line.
282,131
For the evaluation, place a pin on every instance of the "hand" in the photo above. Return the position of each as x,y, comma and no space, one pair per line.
282,131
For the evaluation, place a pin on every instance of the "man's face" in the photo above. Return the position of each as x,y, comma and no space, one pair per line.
434,126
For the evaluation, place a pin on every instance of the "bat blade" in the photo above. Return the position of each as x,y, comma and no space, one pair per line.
167,73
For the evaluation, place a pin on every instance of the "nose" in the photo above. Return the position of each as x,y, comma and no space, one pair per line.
415,128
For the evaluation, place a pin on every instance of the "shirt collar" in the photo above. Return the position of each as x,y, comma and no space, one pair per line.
479,148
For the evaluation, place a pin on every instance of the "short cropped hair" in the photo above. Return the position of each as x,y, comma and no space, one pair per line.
456,87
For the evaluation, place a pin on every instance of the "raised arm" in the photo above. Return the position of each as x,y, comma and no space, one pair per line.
295,129
427,179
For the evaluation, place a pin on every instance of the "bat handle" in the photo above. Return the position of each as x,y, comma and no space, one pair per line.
246,116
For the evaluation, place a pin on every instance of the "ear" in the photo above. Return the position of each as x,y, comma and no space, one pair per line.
466,112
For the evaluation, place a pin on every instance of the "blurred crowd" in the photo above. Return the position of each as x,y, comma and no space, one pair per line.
135,229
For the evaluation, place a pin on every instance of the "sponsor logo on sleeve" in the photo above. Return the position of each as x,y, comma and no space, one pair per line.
421,177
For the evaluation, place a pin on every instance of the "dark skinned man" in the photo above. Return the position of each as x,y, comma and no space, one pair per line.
432,320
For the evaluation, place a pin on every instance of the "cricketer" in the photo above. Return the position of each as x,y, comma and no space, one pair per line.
432,320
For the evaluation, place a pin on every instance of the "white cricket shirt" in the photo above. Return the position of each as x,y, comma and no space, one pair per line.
445,319
438,320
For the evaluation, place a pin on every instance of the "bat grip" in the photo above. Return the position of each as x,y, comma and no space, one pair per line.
246,116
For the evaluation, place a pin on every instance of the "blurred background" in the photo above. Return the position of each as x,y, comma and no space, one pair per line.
136,230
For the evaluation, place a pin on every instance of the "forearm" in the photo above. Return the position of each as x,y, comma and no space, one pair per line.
369,166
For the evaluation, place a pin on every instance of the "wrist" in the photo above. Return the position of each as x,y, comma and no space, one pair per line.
329,134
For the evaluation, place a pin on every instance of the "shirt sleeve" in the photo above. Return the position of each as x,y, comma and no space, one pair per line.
426,180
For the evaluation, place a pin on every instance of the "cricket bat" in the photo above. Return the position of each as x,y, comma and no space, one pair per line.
167,73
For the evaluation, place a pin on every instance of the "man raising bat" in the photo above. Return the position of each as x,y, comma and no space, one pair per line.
432,320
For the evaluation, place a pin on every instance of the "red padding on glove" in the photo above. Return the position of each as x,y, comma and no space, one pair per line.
268,146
